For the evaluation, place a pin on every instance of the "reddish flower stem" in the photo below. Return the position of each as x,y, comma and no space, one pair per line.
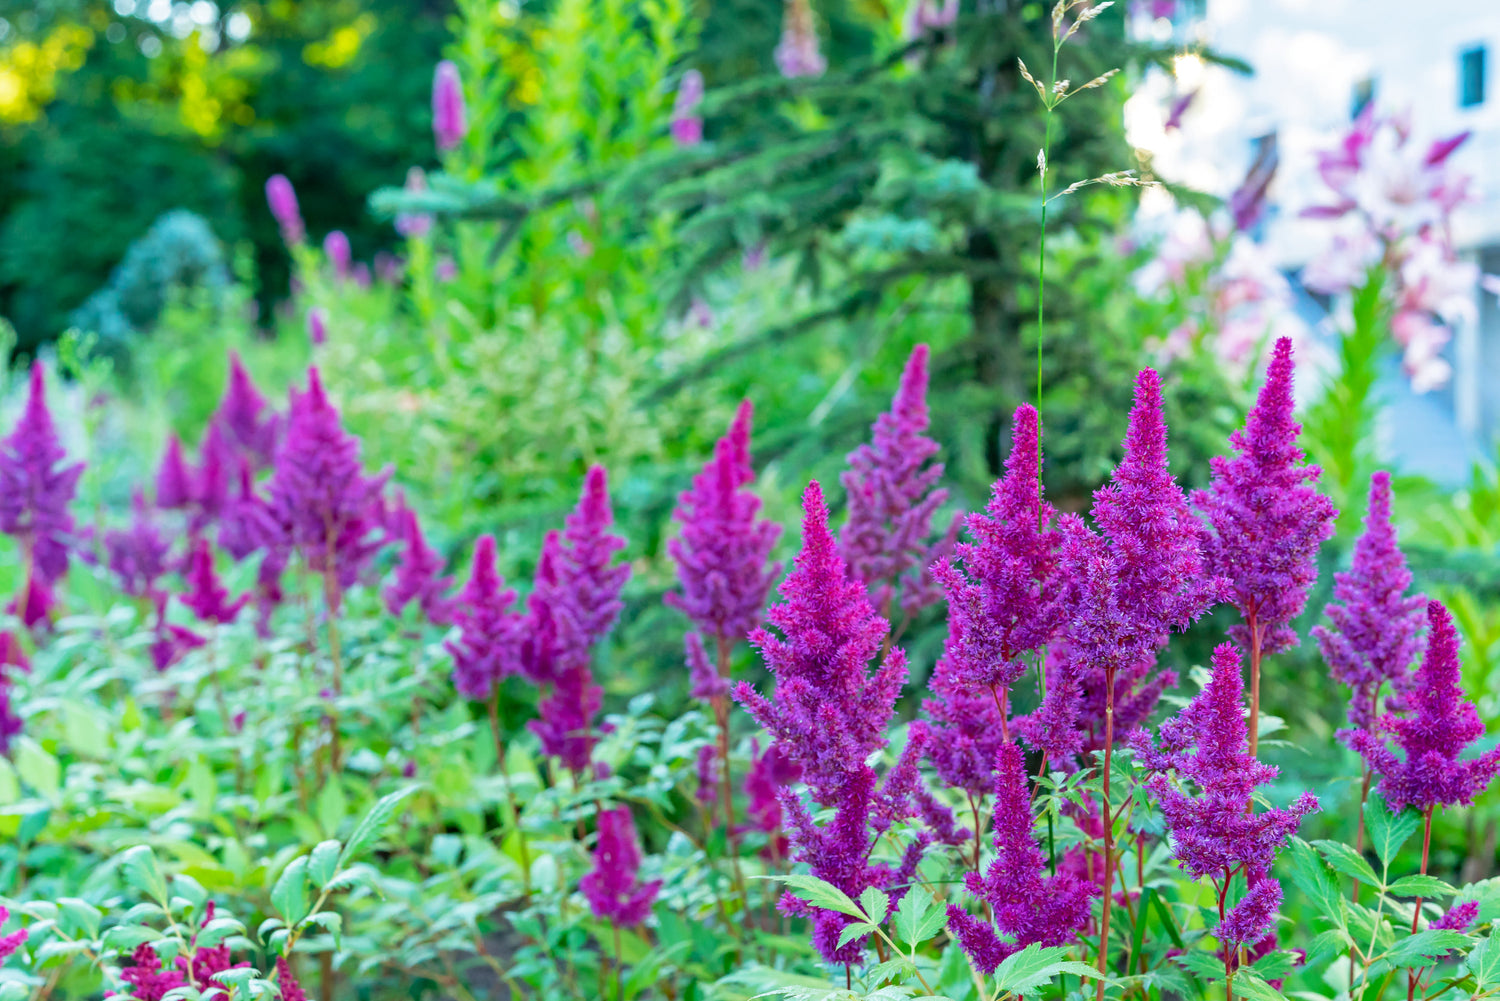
1412,976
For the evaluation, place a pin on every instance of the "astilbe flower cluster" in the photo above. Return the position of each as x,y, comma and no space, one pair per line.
174,480
1439,726
419,572
797,53
1027,907
891,487
770,771
1204,780
687,123
487,648
1002,606
321,502
1376,632
613,888
281,197
36,487
206,596
574,604
722,553
244,417
12,942
828,714
138,555
151,980
450,121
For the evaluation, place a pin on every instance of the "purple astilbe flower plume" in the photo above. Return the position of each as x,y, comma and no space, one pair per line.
449,117
708,776
137,556
687,124
36,487
282,199
723,550
206,595
33,606
245,524
419,573
172,641
1204,781
1268,522
336,249
317,325
891,485
488,647
614,890
10,943
1002,605
828,714
245,418
1053,727
174,478
291,990
797,53
707,683
1377,627
11,724
1440,725
578,601
770,772
322,503
1028,908
217,467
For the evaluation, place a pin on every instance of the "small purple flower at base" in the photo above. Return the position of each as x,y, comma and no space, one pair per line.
1027,907
174,480
487,649
687,124
723,551
149,980
1440,724
797,53
137,556
1267,516
282,199
36,488
418,574
1460,917
1377,627
206,596
613,887
35,603
449,117
707,683
336,249
892,488
290,989
10,943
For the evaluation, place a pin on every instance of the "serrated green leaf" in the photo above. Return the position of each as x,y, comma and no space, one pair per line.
1313,877
1425,946
289,895
1248,985
1484,962
1023,972
14,990
217,931
1388,831
143,872
821,894
874,903
56,947
84,915
324,862
1420,886
913,916
372,823
858,929
1347,861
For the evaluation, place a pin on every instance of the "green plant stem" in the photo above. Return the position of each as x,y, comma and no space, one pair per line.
1041,249
1107,881
510,792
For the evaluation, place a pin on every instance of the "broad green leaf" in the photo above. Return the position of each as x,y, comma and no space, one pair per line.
144,873
1347,861
1420,886
1312,876
1248,985
1388,831
874,903
825,895
14,990
373,823
217,931
1484,962
1275,965
1426,946
289,895
85,916
331,922
59,947
1023,972
858,929
37,767
917,919
323,862
899,968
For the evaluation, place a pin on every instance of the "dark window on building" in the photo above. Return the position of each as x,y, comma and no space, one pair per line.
1471,77
1364,93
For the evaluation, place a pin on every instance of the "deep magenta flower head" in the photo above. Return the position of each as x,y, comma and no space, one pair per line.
1377,627
1439,727
137,555
244,417
589,548
291,990
217,468
770,772
282,199
1028,908
797,53
687,123
206,595
419,573
1204,782
614,890
36,486
322,503
336,249
449,117
174,478
1267,516
246,524
827,708
722,552
488,647
891,485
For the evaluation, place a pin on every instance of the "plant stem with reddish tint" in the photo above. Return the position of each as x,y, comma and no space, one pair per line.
1416,915
1109,847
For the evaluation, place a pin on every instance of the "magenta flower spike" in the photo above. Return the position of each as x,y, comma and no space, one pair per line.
336,249
206,595
589,549
419,573
723,551
891,484
797,53
1267,516
1204,782
1028,908
317,326
320,500
706,681
137,556
245,524
488,646
449,116
687,124
770,772
36,487
174,479
244,417
10,943
282,199
613,889
217,467
1376,634
1439,726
